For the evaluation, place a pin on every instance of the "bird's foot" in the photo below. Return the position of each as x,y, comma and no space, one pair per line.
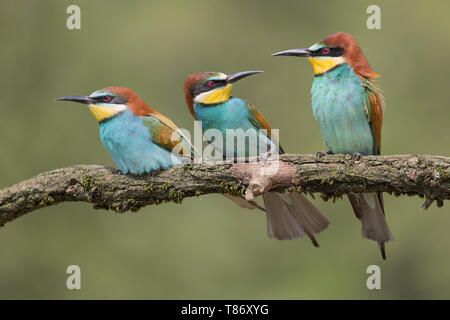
227,159
272,151
153,173
357,156
264,156
321,154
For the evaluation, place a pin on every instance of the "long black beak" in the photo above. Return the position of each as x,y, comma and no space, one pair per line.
79,99
240,75
303,52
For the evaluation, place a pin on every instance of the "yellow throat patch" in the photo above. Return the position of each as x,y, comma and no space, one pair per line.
218,95
102,112
322,65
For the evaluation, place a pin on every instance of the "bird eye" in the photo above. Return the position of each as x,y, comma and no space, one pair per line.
325,50
106,98
211,83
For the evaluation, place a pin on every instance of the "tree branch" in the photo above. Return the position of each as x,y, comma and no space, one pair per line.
331,176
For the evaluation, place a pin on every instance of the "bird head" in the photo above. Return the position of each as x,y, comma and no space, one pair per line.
108,102
210,88
337,49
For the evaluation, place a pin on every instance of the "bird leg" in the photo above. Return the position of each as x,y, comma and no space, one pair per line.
153,173
357,156
321,154
265,155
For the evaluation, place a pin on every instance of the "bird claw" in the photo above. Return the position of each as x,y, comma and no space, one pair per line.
264,156
357,156
153,173
321,154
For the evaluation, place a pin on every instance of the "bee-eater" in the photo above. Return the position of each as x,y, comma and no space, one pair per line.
209,101
349,108
138,137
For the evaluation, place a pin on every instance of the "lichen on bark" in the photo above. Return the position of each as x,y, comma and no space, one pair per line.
331,176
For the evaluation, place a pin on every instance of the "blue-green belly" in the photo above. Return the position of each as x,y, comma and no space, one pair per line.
131,145
234,115
341,106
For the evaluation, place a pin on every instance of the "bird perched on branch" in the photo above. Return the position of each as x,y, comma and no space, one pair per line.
209,101
349,108
139,138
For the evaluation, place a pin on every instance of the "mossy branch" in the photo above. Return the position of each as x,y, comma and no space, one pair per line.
331,176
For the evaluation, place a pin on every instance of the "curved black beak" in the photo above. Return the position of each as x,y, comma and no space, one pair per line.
303,52
240,75
79,99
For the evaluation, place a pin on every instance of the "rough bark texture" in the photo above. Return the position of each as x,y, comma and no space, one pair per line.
331,176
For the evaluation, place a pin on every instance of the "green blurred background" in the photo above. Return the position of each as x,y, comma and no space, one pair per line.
207,247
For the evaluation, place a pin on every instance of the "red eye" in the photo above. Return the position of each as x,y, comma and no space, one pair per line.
106,98
211,83
326,51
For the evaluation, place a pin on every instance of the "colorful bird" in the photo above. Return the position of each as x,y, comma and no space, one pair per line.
139,138
349,108
209,101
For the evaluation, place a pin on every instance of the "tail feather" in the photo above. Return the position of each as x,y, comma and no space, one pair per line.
368,207
241,202
280,222
308,216
295,219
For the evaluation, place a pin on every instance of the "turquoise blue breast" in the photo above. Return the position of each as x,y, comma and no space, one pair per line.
131,146
233,114
339,103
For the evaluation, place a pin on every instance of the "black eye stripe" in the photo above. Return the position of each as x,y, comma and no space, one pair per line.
112,100
98,99
333,52
217,83
204,87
